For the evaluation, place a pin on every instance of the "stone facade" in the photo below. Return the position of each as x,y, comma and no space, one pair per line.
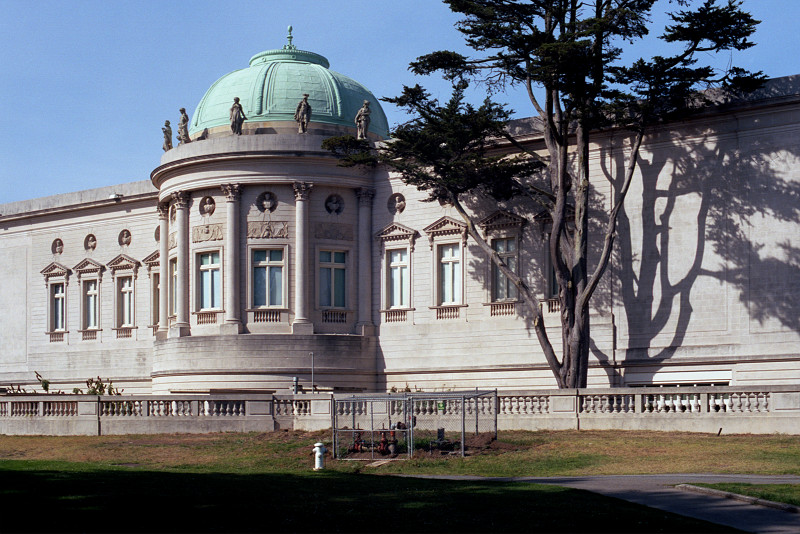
247,261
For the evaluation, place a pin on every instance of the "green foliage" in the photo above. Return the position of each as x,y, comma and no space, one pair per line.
44,383
351,152
445,150
96,386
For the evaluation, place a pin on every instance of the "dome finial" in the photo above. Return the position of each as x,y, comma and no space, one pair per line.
289,45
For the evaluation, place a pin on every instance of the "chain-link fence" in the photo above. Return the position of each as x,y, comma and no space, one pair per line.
369,427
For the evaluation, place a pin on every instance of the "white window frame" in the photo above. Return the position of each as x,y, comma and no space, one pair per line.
155,297
90,272
54,304
172,273
457,286
389,282
284,263
86,312
199,270
495,275
126,302
153,264
345,266
56,274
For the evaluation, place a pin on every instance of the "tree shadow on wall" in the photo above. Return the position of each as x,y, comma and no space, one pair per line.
705,200
534,267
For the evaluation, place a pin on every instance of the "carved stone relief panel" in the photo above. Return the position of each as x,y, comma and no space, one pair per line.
57,247
207,232
333,231
267,229
157,234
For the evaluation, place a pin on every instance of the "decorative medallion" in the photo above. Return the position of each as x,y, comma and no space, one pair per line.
266,202
334,204
207,206
90,242
157,234
57,247
124,238
396,204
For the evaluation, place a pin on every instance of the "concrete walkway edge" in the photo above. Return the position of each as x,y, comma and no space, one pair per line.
736,496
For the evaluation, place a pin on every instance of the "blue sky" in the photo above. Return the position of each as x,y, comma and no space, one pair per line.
86,85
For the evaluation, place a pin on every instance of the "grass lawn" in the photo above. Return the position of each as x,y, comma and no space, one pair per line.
247,482
785,493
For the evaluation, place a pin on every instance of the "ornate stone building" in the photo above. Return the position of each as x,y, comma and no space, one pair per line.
248,260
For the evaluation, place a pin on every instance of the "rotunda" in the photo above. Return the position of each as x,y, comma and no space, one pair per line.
265,242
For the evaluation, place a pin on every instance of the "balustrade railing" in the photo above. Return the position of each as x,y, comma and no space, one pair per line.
267,316
648,407
448,312
334,316
523,404
498,309
60,408
395,316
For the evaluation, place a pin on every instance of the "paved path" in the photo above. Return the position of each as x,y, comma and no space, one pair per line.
657,491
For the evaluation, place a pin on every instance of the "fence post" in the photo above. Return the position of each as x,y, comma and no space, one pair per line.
463,423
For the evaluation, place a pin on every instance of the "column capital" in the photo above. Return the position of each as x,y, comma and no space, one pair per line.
365,196
181,199
233,192
163,210
302,190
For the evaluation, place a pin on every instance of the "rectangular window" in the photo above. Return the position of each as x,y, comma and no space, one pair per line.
449,274
398,282
268,278
125,301
57,308
210,281
90,305
332,278
502,288
155,299
173,285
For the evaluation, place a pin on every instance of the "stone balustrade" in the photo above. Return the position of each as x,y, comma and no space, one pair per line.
745,409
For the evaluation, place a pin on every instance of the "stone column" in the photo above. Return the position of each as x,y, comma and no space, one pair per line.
182,327
302,275
163,267
364,323
233,322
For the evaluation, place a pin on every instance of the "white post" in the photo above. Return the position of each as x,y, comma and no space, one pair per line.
301,323
163,267
182,326
365,197
233,322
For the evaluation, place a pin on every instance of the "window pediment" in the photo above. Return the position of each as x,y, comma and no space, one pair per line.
88,266
123,262
152,260
398,232
446,226
501,220
55,270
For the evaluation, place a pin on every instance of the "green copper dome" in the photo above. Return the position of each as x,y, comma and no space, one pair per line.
270,88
